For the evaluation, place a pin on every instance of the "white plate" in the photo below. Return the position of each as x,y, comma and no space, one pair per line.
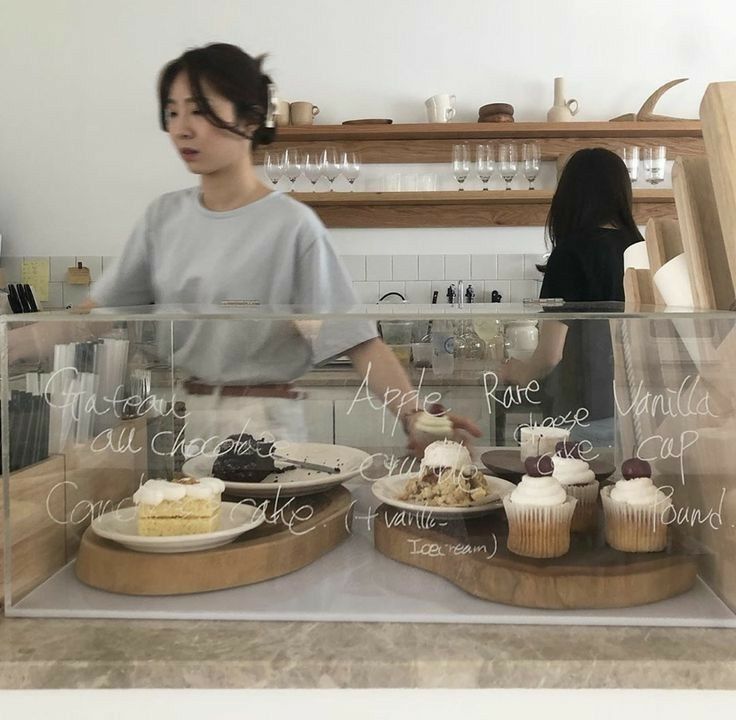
122,527
388,489
298,481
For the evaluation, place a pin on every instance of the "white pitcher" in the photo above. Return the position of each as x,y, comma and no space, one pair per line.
563,110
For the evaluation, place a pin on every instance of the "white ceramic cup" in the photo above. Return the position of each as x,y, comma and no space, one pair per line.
636,256
673,282
440,108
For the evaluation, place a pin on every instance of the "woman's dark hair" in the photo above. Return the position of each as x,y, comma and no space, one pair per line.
233,74
594,190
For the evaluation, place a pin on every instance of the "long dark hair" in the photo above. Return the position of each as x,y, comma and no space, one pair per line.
594,190
233,74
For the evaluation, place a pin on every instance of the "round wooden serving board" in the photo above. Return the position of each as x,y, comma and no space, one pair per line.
472,554
268,551
506,464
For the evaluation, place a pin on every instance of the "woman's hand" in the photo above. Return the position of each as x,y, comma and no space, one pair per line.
464,430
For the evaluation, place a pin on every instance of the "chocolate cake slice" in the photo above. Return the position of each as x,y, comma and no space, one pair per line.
242,458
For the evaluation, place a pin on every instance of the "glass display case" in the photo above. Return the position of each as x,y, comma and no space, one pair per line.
487,463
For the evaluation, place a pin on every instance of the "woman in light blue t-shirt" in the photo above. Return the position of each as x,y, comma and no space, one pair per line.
233,239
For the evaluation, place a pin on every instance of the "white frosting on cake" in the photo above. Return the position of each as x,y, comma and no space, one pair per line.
638,492
155,491
445,453
572,471
540,491
430,424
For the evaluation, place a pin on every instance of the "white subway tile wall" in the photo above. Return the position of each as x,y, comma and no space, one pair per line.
530,267
457,267
12,268
391,286
522,290
405,267
431,267
75,294
108,262
58,267
511,267
419,291
414,276
356,266
483,267
56,295
367,292
378,267
502,286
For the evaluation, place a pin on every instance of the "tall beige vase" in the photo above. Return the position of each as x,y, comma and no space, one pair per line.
563,110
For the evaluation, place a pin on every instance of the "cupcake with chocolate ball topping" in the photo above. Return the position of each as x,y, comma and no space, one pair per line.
633,510
575,475
539,512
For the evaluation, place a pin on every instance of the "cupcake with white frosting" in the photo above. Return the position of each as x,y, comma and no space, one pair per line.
539,512
575,475
633,509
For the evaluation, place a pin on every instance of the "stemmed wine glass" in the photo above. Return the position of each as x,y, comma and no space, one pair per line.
655,159
485,161
292,165
274,166
530,157
350,167
460,163
507,163
330,165
630,155
313,168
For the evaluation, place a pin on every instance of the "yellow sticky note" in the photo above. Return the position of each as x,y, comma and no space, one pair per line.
36,273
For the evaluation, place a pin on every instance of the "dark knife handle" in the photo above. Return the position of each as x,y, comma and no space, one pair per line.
14,300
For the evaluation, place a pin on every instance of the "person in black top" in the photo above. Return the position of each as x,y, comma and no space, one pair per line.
590,225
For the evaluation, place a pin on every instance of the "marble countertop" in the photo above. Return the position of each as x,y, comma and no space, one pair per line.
208,654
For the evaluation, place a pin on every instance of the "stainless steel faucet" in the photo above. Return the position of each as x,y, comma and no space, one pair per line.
460,293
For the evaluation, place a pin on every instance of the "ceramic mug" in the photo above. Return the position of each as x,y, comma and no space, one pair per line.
303,113
281,116
440,108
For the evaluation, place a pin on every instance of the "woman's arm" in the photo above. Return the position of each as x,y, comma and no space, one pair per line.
545,358
35,342
388,381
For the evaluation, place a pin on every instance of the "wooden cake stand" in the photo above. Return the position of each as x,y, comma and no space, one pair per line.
472,554
269,551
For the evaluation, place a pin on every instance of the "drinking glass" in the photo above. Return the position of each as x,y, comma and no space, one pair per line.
530,159
460,163
293,163
273,165
630,155
655,159
507,163
485,160
351,167
313,168
330,165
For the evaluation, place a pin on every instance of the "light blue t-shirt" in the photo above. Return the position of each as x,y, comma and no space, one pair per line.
274,251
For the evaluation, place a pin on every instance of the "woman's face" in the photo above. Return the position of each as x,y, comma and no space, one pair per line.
205,149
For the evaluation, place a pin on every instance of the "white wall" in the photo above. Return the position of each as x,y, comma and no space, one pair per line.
81,154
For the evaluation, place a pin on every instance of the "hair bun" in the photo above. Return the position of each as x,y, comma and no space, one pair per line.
263,136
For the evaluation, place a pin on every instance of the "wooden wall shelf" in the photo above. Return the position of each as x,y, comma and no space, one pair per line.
457,209
432,143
